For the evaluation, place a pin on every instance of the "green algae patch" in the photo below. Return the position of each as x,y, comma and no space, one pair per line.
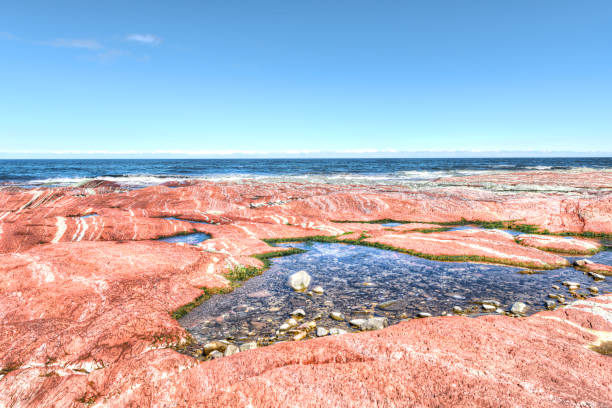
236,276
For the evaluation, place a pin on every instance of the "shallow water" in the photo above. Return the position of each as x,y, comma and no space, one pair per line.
191,239
357,280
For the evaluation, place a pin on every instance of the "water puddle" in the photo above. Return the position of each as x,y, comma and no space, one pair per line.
90,215
191,239
191,221
363,282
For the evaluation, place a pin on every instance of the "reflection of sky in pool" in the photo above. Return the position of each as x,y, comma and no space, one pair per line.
191,239
355,278
90,215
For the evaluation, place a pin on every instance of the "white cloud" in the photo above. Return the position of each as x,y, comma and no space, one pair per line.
74,43
148,39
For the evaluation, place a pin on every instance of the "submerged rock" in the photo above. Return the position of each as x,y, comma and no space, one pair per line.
231,349
322,331
318,290
248,346
336,316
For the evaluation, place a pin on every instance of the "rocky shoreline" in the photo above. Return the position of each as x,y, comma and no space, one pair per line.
86,302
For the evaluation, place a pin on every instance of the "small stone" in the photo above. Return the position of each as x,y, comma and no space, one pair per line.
318,290
551,304
518,308
214,346
334,331
570,283
284,327
457,309
215,354
358,322
367,284
423,314
374,323
298,312
597,276
299,281
336,316
322,331
248,346
488,308
593,289
387,304
499,310
556,287
231,349
307,326
299,336
328,303
491,302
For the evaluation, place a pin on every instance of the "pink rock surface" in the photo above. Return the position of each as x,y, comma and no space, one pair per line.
488,244
597,268
578,179
85,303
560,244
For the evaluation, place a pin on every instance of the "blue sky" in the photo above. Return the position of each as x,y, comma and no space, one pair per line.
205,77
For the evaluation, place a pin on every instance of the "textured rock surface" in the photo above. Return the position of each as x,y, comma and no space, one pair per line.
559,244
85,302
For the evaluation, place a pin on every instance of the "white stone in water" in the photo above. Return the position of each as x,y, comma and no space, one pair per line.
374,323
357,322
518,308
318,290
593,289
488,308
491,302
423,314
457,309
336,316
231,349
551,304
299,281
322,331
334,330
570,283
298,312
596,276
284,327
215,354
248,346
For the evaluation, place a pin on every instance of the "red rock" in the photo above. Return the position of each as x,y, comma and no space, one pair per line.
492,245
596,268
560,244
85,303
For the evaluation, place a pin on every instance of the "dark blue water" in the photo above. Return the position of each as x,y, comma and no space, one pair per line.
136,173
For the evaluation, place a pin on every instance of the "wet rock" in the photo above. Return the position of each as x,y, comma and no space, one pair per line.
248,346
300,336
593,289
322,331
423,314
374,323
318,290
582,262
518,308
307,326
596,276
298,313
570,283
299,281
556,287
457,309
335,330
551,304
491,302
357,322
337,316
488,308
231,349
387,304
214,346
215,354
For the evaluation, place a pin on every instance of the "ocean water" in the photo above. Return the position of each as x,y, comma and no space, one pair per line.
143,172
